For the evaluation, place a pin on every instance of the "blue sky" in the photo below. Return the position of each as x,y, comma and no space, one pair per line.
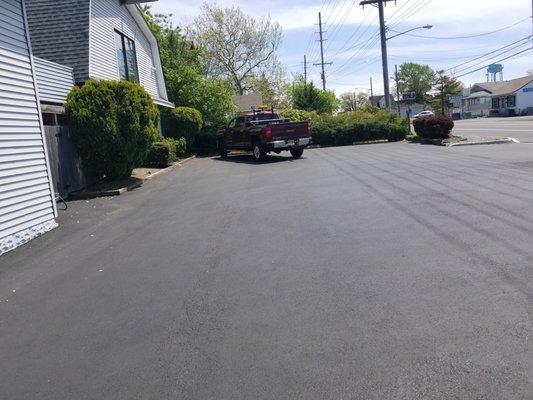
353,43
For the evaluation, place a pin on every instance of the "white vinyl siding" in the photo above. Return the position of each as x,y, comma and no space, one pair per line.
524,97
26,201
54,81
106,16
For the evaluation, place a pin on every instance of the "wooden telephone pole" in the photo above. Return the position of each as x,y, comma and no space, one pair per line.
321,40
383,33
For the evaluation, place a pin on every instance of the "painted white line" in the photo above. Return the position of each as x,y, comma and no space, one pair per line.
494,129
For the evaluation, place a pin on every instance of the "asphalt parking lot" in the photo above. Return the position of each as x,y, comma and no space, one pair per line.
519,128
390,271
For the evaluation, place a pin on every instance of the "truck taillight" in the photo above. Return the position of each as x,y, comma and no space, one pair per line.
267,132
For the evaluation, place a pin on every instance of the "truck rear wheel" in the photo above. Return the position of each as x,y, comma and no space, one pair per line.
297,153
222,150
259,152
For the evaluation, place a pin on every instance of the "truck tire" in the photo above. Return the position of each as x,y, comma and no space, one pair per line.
259,152
297,152
222,150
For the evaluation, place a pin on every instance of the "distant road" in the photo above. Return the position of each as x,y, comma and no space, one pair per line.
520,128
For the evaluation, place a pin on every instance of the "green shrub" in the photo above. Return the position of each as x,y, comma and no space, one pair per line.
358,126
398,133
433,127
165,152
184,122
177,146
160,155
112,126
299,115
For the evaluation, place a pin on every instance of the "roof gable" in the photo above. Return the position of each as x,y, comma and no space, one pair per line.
504,87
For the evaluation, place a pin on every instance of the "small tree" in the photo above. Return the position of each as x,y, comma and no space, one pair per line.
446,86
112,126
306,96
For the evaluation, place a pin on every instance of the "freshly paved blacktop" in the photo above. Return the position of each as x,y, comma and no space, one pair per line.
390,271
520,128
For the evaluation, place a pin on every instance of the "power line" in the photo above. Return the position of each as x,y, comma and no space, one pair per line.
468,36
405,12
343,47
501,53
338,28
359,53
414,11
398,9
512,45
495,62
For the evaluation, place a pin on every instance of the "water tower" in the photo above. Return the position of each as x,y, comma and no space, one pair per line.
493,71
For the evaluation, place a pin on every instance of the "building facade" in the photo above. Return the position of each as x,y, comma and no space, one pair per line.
27,201
97,39
505,98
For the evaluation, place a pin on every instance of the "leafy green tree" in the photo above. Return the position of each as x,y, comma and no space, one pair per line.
306,96
182,68
413,77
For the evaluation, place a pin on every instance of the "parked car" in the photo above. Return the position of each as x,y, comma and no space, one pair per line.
424,114
262,131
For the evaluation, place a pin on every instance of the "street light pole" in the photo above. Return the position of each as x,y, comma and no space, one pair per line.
384,58
383,35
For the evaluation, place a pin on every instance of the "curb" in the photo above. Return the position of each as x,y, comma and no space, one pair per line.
128,188
495,141
176,164
105,193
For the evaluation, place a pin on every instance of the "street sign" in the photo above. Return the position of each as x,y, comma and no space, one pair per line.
408,96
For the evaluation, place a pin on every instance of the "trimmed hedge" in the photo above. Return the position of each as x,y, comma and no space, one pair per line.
184,122
165,152
359,126
160,155
434,126
299,115
112,126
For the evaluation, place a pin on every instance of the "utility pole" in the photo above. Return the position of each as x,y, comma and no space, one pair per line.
321,40
305,69
442,93
383,34
397,89
371,90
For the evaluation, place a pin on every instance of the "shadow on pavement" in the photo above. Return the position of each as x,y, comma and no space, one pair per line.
248,159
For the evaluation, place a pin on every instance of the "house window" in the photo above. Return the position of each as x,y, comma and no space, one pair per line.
126,57
496,102
511,101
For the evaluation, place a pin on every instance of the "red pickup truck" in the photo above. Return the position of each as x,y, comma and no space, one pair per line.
262,132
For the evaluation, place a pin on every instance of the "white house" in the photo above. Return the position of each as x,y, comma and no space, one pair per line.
95,39
27,204
513,97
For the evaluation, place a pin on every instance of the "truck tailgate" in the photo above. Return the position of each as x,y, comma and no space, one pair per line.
289,130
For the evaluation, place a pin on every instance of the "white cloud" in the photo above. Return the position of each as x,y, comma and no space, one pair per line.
449,18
